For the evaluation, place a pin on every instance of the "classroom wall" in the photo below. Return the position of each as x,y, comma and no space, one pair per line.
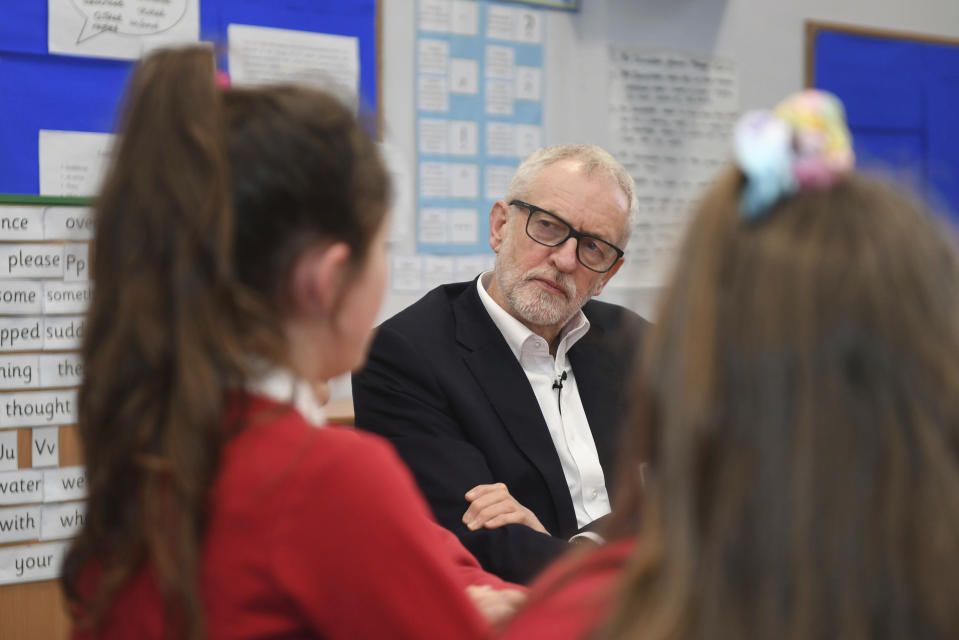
766,38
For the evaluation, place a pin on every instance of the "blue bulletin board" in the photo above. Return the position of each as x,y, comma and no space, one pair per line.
901,94
48,91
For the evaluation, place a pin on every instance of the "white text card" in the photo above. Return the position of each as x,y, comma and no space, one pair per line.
38,408
29,563
65,483
45,450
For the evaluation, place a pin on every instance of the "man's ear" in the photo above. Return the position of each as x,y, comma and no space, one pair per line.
606,276
498,217
318,278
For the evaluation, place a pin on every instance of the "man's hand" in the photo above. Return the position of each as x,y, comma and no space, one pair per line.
492,506
496,605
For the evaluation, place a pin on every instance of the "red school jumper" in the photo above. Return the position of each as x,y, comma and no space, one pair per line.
315,533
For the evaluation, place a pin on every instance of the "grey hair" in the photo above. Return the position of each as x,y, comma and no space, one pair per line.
593,158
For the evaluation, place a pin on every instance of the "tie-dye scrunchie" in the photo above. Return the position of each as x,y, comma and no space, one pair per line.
802,145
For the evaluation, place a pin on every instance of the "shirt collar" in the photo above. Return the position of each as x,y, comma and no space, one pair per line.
517,334
283,386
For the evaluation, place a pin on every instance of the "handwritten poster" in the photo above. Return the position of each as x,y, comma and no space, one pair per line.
670,120
123,29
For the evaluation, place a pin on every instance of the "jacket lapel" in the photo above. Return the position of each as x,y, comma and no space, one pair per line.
508,391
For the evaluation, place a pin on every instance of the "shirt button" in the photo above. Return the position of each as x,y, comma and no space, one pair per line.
594,493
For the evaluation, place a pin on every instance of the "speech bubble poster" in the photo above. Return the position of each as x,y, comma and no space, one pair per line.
122,29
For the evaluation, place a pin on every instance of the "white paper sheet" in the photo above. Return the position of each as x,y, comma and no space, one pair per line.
464,226
434,179
464,76
464,181
528,83
500,139
500,62
497,181
64,483
435,15
67,223
529,26
406,273
123,29
21,297
264,55
434,93
38,408
529,138
670,122
66,297
19,371
434,225
60,369
59,521
437,270
434,56
19,524
21,223
8,450
21,487
31,261
45,447
499,97
434,136
29,563
500,22
468,267
76,262
464,18
72,163
462,137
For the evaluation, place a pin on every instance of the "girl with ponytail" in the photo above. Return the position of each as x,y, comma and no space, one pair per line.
239,260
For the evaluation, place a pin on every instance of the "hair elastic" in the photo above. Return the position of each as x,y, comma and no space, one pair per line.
802,145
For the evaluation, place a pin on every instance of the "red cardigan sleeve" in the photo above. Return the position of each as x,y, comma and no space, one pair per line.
357,550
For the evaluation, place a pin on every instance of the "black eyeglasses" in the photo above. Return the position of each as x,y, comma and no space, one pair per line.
550,230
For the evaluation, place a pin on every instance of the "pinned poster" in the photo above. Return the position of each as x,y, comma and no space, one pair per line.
121,29
266,55
670,119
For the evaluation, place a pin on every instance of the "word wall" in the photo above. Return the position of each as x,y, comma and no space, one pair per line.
45,287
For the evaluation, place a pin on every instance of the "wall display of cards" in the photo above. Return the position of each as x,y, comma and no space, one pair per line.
479,112
45,287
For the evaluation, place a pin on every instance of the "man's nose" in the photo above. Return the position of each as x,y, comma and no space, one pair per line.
564,255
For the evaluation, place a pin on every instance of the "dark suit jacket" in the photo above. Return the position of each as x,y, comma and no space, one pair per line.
442,384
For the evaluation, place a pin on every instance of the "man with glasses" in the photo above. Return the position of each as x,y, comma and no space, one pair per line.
504,395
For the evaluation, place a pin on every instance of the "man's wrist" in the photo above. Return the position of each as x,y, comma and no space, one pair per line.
588,537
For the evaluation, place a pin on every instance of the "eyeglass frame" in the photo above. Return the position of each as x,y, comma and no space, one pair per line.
572,233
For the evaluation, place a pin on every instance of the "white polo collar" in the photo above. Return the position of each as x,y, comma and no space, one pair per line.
283,386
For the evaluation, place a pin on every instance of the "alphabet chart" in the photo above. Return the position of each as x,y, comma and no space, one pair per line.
45,287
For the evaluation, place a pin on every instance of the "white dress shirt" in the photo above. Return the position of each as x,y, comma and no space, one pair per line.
562,408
